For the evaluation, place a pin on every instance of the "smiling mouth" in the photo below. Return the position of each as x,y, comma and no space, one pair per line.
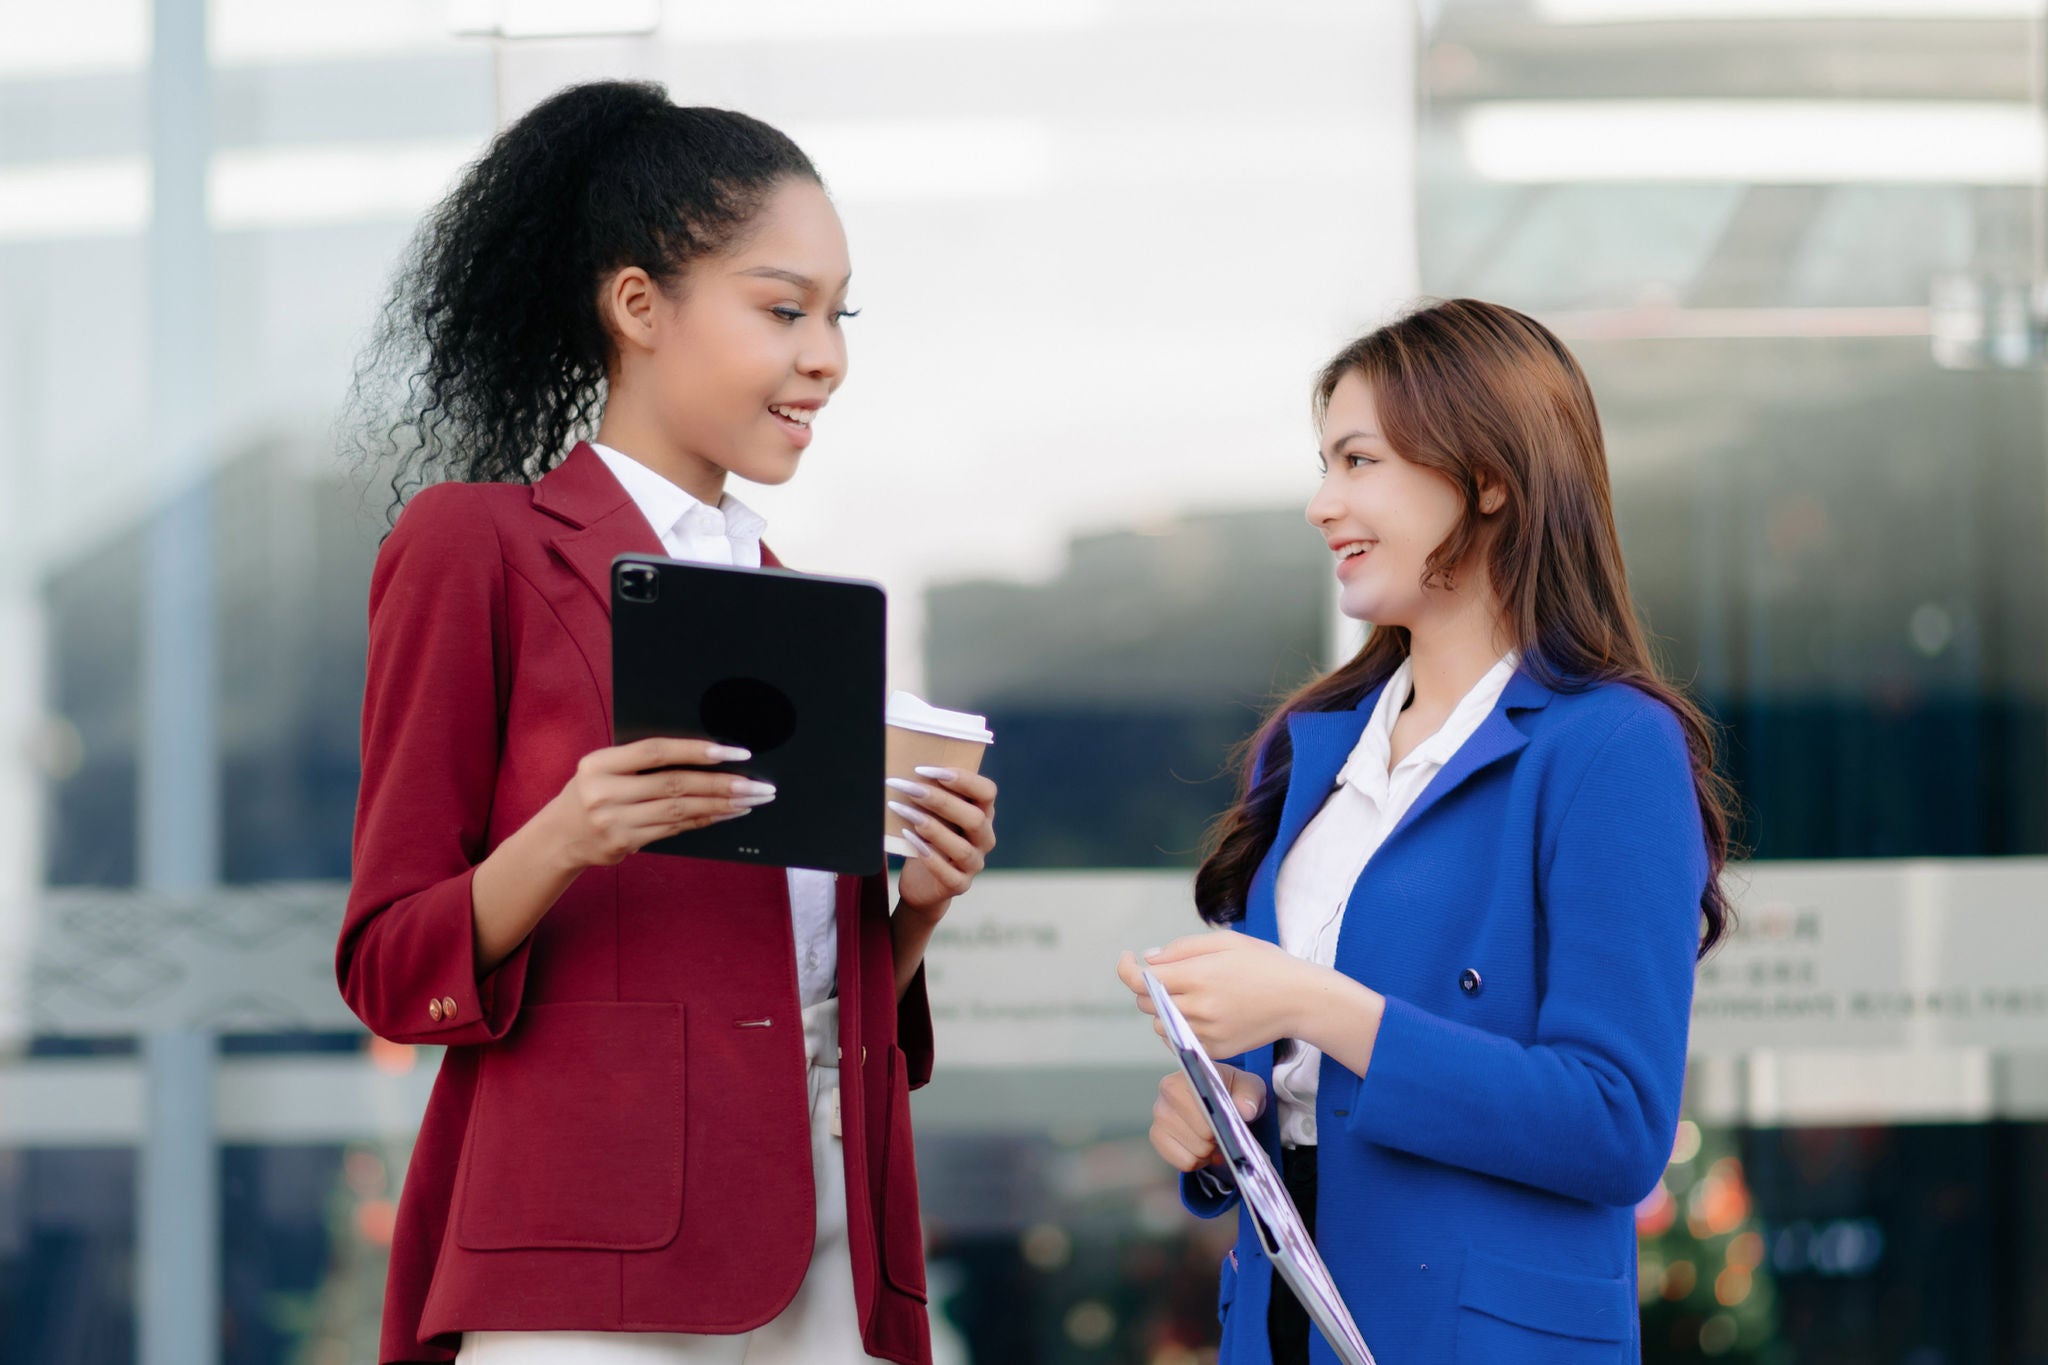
800,416
1354,549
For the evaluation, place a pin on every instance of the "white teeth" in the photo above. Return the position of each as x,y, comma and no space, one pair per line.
1353,551
800,416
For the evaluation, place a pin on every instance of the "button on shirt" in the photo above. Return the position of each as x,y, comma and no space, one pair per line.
1325,863
730,533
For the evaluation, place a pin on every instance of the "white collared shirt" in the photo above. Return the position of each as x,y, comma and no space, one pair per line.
730,533
1325,863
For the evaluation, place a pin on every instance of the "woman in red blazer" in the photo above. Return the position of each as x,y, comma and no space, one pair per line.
629,1134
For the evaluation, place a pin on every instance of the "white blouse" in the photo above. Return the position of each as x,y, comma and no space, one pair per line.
730,533
1325,863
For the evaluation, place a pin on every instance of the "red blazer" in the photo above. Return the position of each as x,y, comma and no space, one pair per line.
612,1143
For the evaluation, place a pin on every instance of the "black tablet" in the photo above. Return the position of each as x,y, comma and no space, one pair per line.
786,665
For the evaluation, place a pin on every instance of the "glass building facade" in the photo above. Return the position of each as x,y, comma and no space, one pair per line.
1101,248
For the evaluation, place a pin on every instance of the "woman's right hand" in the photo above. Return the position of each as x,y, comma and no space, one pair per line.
1180,1127
626,797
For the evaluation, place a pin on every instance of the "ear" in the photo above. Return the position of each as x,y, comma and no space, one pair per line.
626,305
1492,497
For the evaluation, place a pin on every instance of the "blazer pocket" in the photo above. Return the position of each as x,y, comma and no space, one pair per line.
575,1136
1509,1311
902,1224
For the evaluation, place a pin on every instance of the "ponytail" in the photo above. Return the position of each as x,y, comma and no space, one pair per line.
490,355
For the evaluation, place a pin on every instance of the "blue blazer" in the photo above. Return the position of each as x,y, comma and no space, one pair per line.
1532,922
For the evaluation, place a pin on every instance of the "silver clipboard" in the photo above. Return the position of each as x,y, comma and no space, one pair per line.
1280,1230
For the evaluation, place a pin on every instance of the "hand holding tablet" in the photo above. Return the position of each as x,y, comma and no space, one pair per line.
787,667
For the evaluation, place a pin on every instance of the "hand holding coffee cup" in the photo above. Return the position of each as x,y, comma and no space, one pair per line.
940,812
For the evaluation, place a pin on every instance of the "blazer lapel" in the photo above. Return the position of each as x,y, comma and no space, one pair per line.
846,895
602,520
1322,741
1495,739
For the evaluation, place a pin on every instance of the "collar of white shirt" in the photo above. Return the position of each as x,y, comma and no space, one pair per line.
1369,757
668,508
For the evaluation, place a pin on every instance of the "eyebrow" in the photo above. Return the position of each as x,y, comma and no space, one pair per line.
801,281
1355,436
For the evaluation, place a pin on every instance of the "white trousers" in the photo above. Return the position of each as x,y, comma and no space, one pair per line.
821,1326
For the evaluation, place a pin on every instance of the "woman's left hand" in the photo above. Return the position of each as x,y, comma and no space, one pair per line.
949,819
1237,992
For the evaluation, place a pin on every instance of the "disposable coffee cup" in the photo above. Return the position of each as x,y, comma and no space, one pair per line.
920,735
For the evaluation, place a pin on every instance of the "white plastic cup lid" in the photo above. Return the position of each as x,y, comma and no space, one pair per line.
910,712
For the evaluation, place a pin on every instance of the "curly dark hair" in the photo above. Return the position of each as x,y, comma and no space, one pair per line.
490,354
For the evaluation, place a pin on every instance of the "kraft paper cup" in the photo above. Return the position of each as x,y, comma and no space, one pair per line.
920,735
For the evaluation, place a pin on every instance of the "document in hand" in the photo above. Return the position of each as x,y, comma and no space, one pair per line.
1287,1242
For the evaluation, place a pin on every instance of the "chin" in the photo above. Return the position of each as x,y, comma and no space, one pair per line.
1361,609
767,470
1374,612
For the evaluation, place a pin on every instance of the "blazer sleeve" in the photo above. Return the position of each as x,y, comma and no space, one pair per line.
1589,1107
1209,1192
430,761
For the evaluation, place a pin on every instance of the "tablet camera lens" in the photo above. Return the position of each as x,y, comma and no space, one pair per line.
638,582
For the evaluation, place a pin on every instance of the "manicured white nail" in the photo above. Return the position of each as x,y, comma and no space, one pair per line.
746,786
726,753
752,801
924,850
729,815
937,774
911,814
907,787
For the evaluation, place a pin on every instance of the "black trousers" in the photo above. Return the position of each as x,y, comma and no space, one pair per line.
1287,1324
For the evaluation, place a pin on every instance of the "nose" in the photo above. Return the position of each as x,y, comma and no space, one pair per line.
1325,507
824,356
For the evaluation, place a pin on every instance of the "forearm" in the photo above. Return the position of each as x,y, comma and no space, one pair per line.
1339,1017
910,931
518,884
1593,1123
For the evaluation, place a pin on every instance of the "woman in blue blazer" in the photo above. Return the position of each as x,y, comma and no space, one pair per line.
1465,882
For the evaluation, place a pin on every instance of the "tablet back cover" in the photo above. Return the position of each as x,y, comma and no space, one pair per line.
790,666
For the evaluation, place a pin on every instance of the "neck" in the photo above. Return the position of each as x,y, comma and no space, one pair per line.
1450,654
631,434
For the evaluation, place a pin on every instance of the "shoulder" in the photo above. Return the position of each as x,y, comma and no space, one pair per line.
1607,707
458,508
449,534
455,520
1610,725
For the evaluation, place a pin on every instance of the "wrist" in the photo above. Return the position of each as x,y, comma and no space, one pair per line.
1305,986
1331,1007
927,915
554,841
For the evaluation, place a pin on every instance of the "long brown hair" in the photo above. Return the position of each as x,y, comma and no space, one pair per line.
1481,393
